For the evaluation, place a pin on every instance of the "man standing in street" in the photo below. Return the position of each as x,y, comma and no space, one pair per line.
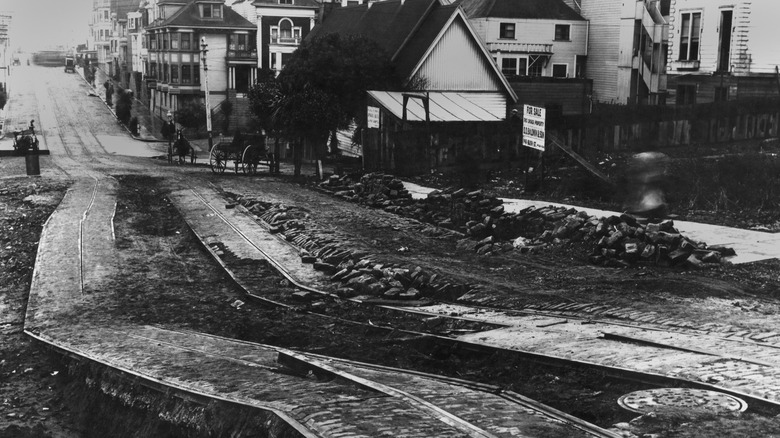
109,91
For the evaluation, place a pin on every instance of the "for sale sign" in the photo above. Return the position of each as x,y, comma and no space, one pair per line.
533,127
373,117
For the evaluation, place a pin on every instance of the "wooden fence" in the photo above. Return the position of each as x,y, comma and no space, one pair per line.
629,128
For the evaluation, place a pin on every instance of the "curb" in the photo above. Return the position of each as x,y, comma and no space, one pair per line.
111,110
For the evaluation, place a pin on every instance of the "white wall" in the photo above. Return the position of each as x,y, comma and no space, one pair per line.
604,45
217,52
754,42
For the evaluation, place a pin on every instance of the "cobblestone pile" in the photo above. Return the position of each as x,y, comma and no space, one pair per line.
359,274
617,240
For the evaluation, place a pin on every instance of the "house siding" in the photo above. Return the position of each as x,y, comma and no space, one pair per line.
753,48
538,31
217,68
603,47
445,69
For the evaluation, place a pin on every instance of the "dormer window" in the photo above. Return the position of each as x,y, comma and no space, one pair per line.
210,11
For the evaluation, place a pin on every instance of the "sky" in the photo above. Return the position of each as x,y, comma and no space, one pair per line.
40,24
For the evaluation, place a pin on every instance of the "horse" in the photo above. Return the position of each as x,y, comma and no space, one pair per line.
182,148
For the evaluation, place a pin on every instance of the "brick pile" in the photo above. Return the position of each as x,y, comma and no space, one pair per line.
617,241
359,275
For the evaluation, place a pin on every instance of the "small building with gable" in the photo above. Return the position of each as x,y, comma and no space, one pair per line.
461,109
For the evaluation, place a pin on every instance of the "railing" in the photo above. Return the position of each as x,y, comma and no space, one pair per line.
292,41
520,47
242,54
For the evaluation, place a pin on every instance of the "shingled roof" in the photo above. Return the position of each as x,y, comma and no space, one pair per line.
189,16
532,9
389,23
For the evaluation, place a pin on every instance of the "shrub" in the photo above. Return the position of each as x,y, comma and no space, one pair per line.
124,105
191,115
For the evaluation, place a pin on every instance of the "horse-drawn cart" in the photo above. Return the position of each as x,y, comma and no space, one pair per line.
245,155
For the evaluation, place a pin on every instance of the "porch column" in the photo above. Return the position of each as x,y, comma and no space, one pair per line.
260,41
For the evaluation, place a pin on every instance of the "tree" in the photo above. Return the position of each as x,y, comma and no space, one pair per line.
323,86
264,98
191,115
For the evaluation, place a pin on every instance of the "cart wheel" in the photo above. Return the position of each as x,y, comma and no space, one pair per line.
249,161
217,160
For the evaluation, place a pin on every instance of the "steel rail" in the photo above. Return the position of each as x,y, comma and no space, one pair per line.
615,372
307,359
165,387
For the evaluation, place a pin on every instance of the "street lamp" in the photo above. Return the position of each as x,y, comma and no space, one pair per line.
170,135
203,49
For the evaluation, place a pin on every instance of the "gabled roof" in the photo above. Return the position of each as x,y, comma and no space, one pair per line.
123,7
389,23
407,29
528,9
189,16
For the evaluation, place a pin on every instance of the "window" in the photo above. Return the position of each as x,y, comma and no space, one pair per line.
690,31
153,69
211,11
535,65
166,38
238,42
165,73
185,41
186,74
196,74
562,32
174,73
285,2
285,29
507,30
686,94
560,70
509,66
175,41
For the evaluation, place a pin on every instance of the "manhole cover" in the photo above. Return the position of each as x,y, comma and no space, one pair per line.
665,399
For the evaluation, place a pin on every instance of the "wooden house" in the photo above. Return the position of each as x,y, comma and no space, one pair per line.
465,100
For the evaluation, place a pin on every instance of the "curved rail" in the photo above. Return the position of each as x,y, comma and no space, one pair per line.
614,371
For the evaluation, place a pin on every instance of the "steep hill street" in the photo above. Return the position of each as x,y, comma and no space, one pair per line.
143,276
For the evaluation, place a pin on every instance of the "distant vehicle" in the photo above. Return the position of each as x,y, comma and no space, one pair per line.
16,60
49,58
70,64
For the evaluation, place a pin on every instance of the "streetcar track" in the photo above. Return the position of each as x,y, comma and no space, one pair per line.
617,372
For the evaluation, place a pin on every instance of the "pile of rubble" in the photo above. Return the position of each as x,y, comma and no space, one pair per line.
617,241
360,274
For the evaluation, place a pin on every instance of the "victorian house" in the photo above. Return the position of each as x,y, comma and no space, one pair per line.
281,26
175,72
627,49
722,50
100,30
540,46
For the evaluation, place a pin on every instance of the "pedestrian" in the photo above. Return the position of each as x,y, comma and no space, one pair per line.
109,91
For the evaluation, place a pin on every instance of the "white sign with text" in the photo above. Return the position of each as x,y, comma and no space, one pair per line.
373,117
533,127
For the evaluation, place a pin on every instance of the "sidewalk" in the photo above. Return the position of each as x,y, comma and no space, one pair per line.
751,246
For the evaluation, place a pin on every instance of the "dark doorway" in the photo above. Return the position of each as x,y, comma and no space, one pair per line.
724,52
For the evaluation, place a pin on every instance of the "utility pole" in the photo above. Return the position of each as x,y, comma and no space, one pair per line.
204,48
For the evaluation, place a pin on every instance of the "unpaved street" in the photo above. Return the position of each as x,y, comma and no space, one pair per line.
86,144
